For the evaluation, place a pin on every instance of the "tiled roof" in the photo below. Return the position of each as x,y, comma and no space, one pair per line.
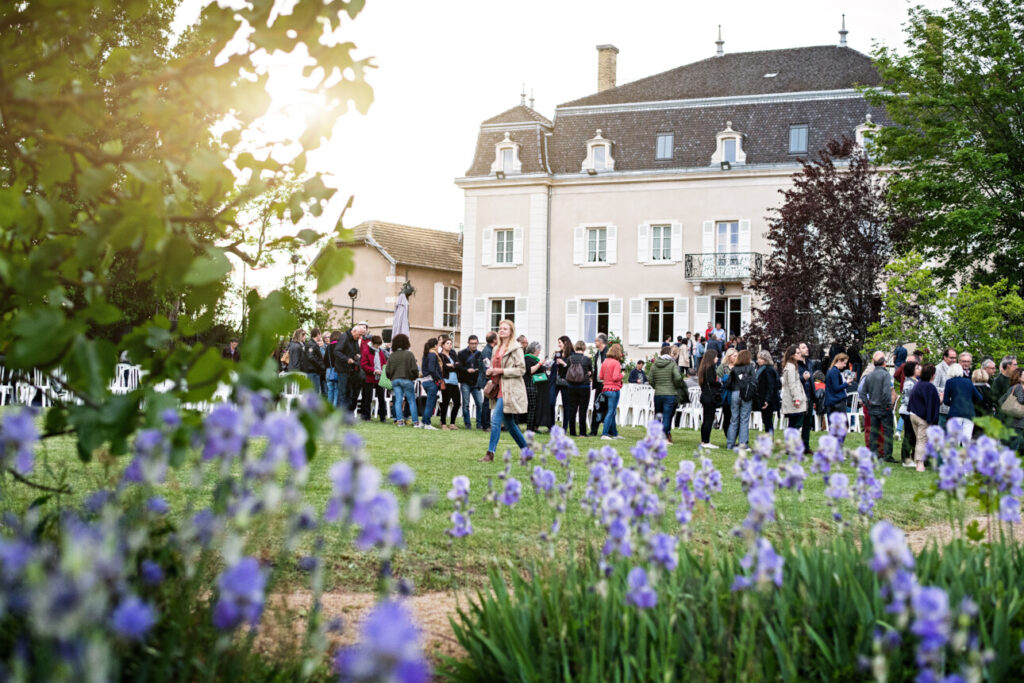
519,114
411,246
763,121
799,69
765,129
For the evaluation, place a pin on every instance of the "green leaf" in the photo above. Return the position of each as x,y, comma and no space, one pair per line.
974,532
331,266
212,267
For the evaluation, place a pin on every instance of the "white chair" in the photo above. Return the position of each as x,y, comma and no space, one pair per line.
6,387
291,393
855,424
643,406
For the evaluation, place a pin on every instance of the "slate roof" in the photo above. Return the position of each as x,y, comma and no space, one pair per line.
519,114
633,130
798,69
412,246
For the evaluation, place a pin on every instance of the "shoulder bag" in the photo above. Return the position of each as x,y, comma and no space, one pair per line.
1011,406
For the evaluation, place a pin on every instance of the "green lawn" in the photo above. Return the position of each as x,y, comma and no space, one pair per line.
432,561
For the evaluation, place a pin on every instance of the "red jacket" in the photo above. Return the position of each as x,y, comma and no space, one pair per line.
366,362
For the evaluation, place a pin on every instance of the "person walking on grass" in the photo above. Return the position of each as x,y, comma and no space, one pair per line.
924,412
742,388
710,395
666,377
610,377
507,370
402,371
431,383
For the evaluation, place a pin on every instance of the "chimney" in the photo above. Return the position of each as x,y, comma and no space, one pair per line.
606,56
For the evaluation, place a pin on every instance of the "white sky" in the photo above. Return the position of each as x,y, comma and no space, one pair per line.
445,67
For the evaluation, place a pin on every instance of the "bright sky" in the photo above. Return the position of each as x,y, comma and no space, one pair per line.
445,67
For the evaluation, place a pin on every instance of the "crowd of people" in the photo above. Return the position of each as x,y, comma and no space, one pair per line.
505,381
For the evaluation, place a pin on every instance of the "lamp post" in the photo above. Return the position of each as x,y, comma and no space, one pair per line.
295,265
353,294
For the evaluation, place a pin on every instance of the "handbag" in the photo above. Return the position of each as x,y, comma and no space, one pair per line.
385,382
1011,406
491,389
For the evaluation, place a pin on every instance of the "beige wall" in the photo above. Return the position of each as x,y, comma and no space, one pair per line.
379,284
689,199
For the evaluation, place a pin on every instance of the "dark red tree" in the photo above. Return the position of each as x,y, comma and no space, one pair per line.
830,242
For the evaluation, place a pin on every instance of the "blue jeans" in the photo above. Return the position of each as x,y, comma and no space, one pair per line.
341,395
498,417
483,409
740,421
430,386
467,391
609,419
666,407
332,392
404,388
315,379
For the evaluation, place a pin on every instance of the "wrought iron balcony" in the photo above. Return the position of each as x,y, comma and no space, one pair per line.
723,266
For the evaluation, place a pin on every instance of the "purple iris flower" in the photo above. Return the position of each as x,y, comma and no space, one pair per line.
241,595
640,592
663,551
401,475
132,618
389,649
18,437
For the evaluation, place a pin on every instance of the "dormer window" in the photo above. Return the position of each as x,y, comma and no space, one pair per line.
865,134
599,155
798,139
506,157
729,147
664,146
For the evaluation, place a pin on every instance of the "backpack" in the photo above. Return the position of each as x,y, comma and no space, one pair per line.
575,374
746,385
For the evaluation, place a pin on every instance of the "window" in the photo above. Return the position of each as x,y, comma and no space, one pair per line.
660,320
507,157
595,319
451,308
728,242
729,313
599,156
729,145
502,309
661,242
597,245
798,139
664,149
503,246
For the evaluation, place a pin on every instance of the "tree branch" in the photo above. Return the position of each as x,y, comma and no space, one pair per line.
40,487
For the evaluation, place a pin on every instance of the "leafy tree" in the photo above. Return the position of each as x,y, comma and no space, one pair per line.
987,320
830,240
107,161
956,99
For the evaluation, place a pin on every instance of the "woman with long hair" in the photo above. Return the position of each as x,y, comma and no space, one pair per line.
610,376
450,393
794,398
710,395
507,369
430,364
536,388
559,366
768,390
835,385
403,373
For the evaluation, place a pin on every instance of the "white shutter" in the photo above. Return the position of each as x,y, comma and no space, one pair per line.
701,312
615,317
522,316
643,243
487,242
480,316
636,321
744,245
745,313
438,305
572,319
677,242
681,318
708,240
612,243
517,246
579,245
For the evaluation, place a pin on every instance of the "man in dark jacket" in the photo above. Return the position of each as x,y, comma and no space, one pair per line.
467,366
313,359
347,355
231,352
878,395
483,414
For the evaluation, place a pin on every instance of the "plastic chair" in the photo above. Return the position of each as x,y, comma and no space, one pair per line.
855,414
6,387
291,391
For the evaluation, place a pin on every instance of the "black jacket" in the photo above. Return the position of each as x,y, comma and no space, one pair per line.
769,388
347,348
598,359
588,367
312,358
465,361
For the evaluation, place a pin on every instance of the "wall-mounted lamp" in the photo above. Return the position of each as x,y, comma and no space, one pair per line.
721,288
726,166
